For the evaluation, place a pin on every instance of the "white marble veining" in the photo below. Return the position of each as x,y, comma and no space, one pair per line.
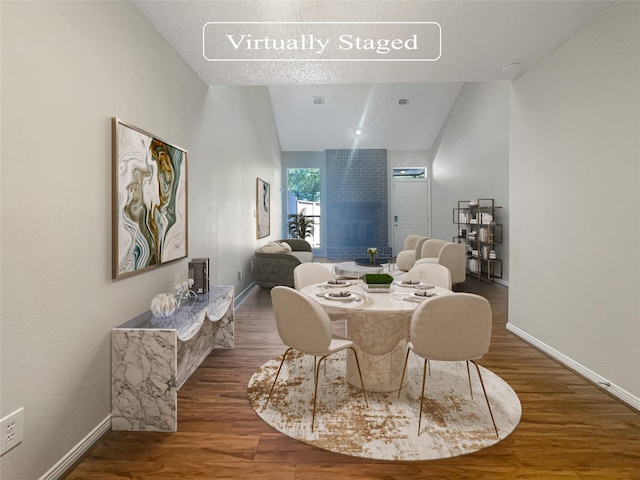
151,358
216,333
188,319
381,342
143,383
220,310
378,324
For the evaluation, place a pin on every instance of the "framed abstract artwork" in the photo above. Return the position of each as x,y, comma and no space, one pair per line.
149,200
263,198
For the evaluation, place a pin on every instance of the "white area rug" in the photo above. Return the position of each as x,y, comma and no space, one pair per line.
453,423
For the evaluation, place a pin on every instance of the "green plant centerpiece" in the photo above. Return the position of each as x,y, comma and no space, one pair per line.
301,225
381,281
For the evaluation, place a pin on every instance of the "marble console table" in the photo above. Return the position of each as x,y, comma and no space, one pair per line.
151,358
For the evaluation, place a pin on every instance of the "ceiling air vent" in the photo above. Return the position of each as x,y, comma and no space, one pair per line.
404,101
318,100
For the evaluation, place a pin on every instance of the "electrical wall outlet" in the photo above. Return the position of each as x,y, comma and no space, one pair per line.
12,430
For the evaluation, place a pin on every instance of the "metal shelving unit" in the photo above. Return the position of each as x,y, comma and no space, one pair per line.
482,235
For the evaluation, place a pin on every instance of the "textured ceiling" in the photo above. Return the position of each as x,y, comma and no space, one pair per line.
478,38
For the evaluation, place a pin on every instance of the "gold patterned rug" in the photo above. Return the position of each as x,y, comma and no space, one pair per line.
453,423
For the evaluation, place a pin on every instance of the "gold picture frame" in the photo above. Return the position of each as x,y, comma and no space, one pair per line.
149,200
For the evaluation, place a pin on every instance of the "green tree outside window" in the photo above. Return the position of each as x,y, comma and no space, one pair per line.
304,183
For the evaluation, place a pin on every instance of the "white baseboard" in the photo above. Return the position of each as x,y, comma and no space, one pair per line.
77,452
606,385
243,294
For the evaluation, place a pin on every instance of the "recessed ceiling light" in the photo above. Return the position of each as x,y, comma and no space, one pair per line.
404,101
358,131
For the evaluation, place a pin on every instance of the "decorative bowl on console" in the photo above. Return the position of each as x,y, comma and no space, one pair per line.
164,305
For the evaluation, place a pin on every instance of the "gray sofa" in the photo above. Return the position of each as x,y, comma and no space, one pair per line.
275,261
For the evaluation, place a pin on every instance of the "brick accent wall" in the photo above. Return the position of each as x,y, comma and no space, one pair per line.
357,204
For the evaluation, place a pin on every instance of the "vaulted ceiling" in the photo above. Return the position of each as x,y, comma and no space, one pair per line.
482,40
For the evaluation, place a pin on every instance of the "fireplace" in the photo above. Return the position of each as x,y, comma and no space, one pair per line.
357,208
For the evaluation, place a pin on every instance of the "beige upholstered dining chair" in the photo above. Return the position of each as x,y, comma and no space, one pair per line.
455,327
307,274
436,274
304,326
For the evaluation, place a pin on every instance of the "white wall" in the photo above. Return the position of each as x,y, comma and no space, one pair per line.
67,68
238,143
575,191
408,158
471,159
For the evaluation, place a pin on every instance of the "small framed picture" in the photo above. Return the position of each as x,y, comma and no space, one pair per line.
263,199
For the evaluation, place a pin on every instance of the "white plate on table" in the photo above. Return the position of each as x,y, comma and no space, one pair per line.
424,294
419,285
337,296
336,284
408,283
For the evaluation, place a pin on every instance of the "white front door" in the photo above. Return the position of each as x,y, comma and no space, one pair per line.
410,210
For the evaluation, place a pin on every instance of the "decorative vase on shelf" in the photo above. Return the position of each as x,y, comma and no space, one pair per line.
164,305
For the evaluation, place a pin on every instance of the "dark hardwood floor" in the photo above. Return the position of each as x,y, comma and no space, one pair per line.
569,429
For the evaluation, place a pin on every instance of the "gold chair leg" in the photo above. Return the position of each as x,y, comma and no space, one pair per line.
424,377
486,398
406,359
284,357
315,388
315,391
315,362
364,393
469,377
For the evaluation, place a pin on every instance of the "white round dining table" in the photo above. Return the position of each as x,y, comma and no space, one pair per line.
378,324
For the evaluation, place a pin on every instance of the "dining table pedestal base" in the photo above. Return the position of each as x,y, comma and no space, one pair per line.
378,323
381,342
